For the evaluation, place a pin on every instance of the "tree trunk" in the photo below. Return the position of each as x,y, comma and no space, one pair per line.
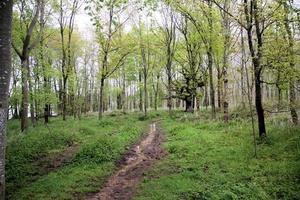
24,103
145,93
293,110
211,83
210,62
101,98
30,92
140,92
189,105
219,89
124,107
156,92
225,60
256,55
5,70
64,98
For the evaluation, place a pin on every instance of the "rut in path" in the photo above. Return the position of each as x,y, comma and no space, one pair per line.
121,185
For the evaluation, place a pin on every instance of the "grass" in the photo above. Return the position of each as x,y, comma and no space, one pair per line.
210,160
206,159
101,144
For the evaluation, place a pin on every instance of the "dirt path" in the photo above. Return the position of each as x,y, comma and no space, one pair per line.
56,160
121,185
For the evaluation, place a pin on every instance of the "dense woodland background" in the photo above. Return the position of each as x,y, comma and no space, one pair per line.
150,55
218,59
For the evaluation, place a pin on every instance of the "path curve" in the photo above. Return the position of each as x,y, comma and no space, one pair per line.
122,184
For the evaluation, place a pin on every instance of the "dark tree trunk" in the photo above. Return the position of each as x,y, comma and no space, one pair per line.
256,54
219,89
258,100
189,105
5,71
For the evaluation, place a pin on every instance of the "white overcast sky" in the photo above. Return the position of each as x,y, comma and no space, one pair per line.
86,29
84,25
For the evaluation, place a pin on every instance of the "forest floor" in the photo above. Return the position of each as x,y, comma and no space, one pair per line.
195,158
122,184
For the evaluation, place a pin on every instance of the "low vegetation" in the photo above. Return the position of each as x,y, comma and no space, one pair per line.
212,160
206,159
100,144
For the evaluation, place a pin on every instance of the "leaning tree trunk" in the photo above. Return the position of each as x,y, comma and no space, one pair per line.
5,69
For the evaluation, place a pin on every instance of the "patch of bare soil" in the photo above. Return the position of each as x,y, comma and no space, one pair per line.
122,184
54,161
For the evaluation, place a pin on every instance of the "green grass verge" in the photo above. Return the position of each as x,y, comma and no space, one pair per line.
101,143
211,160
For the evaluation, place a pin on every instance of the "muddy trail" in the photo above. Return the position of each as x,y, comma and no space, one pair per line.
122,184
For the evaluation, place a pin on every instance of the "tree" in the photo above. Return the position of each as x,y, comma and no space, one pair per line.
226,27
251,12
112,53
28,21
190,60
5,71
291,62
170,45
67,12
256,21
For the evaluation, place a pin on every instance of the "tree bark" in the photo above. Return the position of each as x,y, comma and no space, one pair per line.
226,25
101,98
256,55
189,105
5,71
24,103
211,82
210,62
140,92
290,37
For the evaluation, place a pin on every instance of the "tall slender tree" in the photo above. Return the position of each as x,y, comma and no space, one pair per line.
5,70
291,50
26,47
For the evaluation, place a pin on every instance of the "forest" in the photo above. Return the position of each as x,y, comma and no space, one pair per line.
149,99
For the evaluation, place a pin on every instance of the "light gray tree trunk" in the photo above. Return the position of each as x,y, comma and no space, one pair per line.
5,69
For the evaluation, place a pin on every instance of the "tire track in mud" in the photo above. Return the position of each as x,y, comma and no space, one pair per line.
122,184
